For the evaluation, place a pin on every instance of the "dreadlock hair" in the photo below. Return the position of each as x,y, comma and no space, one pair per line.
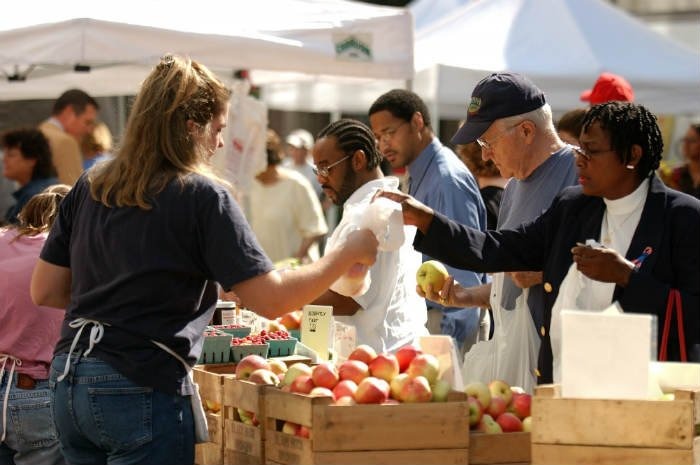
402,104
629,124
353,135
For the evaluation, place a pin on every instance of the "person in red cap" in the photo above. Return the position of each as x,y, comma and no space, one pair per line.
609,87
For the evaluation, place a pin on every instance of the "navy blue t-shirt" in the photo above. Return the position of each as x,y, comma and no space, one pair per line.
150,274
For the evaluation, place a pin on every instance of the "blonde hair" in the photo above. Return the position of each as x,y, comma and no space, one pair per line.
158,146
38,214
98,140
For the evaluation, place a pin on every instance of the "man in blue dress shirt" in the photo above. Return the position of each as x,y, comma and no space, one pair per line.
401,123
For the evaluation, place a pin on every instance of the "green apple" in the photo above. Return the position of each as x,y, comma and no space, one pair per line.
431,273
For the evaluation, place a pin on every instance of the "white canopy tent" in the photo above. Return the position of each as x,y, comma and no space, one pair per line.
42,42
562,45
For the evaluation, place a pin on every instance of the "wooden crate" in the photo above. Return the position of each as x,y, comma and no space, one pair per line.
243,444
211,381
499,449
614,432
382,434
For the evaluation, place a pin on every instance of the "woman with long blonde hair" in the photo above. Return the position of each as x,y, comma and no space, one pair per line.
135,254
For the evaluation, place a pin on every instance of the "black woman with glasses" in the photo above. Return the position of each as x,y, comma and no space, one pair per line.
646,234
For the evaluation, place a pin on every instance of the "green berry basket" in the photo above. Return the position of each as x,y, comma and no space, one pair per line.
240,351
215,348
235,332
295,333
281,347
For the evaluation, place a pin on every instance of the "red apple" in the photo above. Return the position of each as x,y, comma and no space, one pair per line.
404,356
497,407
476,411
425,365
509,423
488,425
345,388
363,353
527,424
302,431
264,376
345,400
319,391
302,384
416,390
277,366
372,390
480,391
441,389
521,405
354,370
384,366
249,364
325,375
295,370
396,385
500,388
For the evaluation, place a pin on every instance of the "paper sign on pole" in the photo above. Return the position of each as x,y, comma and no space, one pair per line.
606,355
316,323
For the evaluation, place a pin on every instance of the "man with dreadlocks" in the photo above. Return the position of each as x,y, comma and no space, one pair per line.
647,233
390,314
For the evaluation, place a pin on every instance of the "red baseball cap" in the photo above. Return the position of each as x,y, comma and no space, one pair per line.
609,87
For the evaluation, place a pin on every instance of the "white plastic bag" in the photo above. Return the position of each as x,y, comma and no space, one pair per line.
512,354
385,219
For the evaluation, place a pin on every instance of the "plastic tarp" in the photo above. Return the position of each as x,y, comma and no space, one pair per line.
121,41
562,45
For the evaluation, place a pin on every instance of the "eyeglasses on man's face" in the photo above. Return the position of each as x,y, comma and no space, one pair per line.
324,171
388,134
488,145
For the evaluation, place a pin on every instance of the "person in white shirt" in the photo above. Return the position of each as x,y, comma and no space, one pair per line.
285,212
390,314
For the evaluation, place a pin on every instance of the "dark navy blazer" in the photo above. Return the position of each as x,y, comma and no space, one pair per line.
669,227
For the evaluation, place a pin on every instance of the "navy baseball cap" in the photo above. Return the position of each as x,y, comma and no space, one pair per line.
497,96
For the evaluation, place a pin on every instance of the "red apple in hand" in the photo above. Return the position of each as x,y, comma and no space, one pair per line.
405,354
372,391
363,353
384,366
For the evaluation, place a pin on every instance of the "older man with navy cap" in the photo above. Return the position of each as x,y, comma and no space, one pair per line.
508,116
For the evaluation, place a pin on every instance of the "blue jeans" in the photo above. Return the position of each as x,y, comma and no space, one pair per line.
31,437
103,418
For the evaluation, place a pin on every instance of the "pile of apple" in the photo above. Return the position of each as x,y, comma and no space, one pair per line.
498,408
